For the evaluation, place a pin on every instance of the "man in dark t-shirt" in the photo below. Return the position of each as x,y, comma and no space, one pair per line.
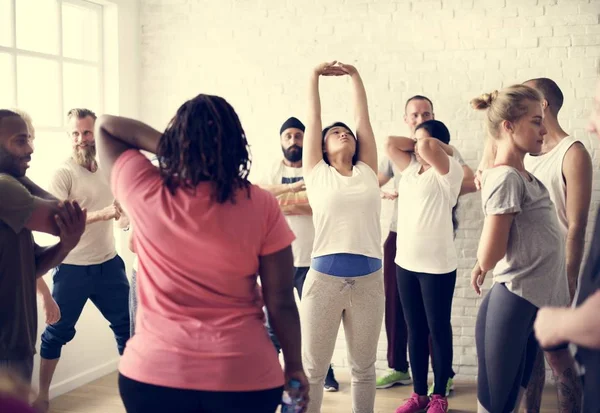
24,208
580,325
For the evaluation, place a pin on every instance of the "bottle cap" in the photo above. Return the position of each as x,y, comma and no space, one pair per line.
294,384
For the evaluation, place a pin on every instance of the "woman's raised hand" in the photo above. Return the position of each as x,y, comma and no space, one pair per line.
348,69
330,69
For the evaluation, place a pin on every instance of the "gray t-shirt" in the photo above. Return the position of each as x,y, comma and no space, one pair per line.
534,264
387,168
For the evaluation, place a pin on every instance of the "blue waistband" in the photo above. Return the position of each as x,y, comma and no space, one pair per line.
346,265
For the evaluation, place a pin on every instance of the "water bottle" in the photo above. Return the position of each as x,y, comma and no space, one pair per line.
291,400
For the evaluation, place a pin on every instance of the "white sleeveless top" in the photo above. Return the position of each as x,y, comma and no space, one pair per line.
548,169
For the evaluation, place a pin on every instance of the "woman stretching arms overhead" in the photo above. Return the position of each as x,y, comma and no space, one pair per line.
345,282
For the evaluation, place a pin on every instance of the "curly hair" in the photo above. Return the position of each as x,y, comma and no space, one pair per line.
205,141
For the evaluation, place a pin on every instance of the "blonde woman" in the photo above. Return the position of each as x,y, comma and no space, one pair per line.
521,241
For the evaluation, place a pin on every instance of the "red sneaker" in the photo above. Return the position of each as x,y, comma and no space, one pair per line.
438,404
415,404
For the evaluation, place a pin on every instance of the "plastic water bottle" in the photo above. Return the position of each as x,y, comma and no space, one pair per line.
291,401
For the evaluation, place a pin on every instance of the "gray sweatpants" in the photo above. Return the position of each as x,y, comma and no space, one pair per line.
358,302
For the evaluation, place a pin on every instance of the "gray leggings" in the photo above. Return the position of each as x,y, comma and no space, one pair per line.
506,348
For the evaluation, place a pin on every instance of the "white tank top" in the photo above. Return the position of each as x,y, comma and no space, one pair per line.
548,169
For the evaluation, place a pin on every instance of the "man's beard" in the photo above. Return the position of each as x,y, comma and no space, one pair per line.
293,153
11,164
85,155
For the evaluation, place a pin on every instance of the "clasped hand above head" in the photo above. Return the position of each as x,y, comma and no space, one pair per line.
335,68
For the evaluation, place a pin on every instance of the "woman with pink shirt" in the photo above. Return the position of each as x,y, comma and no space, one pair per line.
202,233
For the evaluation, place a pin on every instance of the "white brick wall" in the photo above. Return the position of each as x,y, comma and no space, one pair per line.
258,54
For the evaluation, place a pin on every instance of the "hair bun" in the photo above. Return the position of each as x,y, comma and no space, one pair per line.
484,101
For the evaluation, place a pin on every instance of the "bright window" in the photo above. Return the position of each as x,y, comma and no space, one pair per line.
51,60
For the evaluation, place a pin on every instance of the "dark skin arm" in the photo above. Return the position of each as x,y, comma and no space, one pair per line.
115,135
35,190
42,218
71,223
276,276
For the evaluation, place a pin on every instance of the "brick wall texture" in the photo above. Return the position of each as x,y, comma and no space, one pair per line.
258,55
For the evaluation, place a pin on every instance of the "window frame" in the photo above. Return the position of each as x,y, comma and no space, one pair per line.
14,52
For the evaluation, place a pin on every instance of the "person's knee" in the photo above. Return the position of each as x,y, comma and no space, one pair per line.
50,350
363,373
57,335
316,370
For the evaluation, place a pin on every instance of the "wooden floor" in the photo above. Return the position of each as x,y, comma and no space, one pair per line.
102,396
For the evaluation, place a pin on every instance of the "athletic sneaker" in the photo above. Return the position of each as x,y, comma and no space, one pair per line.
393,377
449,388
331,384
438,404
416,404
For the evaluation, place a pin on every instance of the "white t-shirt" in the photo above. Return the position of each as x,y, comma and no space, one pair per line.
387,168
548,169
346,210
73,182
301,225
425,233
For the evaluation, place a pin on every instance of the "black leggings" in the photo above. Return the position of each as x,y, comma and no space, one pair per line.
427,304
146,398
506,348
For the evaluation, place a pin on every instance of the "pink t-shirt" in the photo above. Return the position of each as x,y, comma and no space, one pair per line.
199,321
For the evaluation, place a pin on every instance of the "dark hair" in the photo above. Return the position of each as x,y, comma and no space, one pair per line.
205,141
436,129
439,131
5,113
418,97
551,93
343,125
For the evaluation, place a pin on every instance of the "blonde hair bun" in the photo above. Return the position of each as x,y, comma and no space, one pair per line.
484,101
